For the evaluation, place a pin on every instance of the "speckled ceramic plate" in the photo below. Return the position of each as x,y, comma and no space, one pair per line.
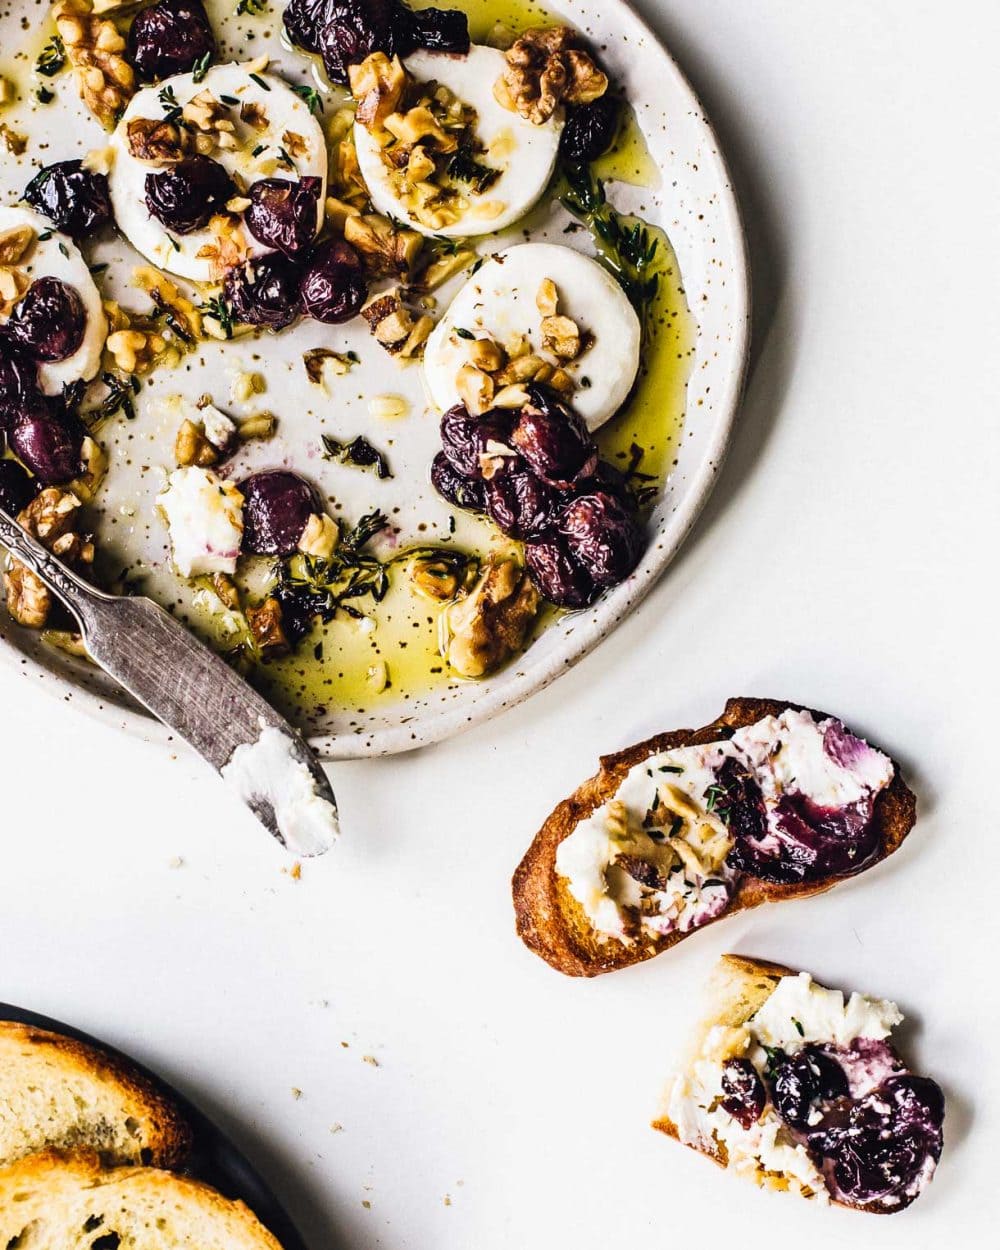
685,189
214,1159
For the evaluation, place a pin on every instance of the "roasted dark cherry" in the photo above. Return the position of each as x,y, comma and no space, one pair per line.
520,504
590,129
47,439
16,490
557,575
185,195
463,492
18,379
440,30
333,286
554,441
49,322
464,438
744,1095
602,535
357,28
891,1142
276,507
264,291
802,1080
304,19
170,37
283,214
74,199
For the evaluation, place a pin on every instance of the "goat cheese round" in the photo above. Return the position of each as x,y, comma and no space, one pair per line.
55,255
500,303
524,154
204,515
275,136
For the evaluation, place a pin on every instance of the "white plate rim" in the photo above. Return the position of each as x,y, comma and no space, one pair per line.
530,678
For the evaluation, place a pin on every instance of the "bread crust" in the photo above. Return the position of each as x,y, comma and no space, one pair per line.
166,1134
552,924
44,1181
742,977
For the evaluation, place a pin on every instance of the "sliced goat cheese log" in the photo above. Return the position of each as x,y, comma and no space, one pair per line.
500,303
204,515
276,137
55,255
525,154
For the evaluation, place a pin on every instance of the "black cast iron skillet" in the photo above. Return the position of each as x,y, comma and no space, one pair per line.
213,1159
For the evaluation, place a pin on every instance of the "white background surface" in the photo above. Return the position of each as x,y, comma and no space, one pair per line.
847,560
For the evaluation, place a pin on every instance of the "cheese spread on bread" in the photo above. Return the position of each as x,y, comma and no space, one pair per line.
785,1098
659,856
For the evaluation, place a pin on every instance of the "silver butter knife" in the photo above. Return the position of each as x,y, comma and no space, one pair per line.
195,693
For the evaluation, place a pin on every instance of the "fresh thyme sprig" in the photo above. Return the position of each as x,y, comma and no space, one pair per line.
358,452
310,95
626,244
219,310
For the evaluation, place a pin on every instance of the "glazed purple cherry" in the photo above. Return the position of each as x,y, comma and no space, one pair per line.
440,30
74,199
170,37
186,195
333,286
16,490
304,19
557,575
554,441
520,504
356,28
890,1145
18,380
49,322
465,439
602,535
47,439
464,492
744,1095
264,291
590,129
803,1080
283,213
276,507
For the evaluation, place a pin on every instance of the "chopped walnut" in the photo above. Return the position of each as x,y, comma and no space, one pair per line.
444,267
386,249
156,141
15,142
294,144
377,84
254,115
544,69
320,537
95,465
181,312
209,120
486,355
135,351
389,321
14,284
15,243
51,517
227,591
475,389
228,248
561,336
267,628
96,51
191,447
493,620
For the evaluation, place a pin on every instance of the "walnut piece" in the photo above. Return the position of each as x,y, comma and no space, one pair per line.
156,141
546,68
377,84
228,248
209,121
96,51
135,351
493,620
267,628
320,537
386,250
51,517
192,447
388,321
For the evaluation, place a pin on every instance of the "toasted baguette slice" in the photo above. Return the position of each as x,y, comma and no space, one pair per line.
553,924
736,991
56,1092
65,1202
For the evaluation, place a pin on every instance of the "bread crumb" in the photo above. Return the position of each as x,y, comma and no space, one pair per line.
346,1045
366,1204
336,1128
295,872
447,1200
296,1092
371,1059
176,862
